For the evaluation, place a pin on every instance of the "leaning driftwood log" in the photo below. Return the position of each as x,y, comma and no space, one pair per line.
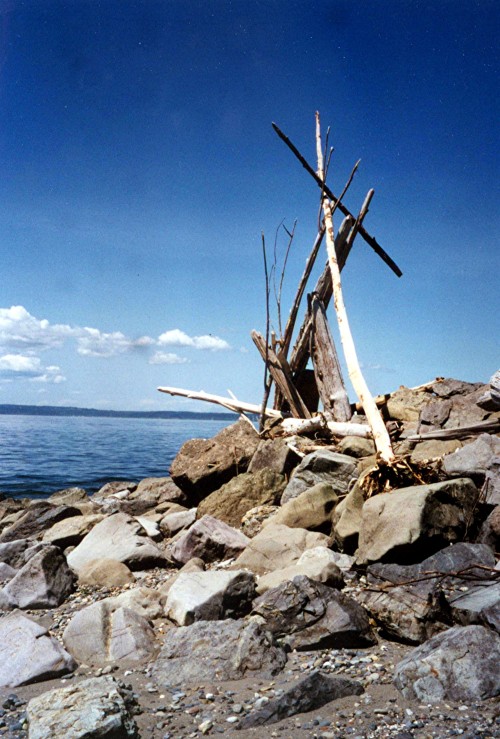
460,432
380,433
327,367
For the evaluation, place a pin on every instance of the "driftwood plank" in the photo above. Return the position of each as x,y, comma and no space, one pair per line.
282,376
327,367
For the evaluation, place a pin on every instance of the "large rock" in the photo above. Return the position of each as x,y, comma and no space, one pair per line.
97,708
144,601
312,692
477,604
69,496
490,530
275,455
309,615
39,517
347,519
204,465
210,540
479,460
28,654
410,523
311,509
405,404
45,581
276,547
460,664
217,650
210,596
118,537
177,520
243,492
13,552
321,466
319,564
103,633
150,493
70,531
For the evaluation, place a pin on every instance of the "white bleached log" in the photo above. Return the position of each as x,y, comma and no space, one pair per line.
232,404
293,426
380,433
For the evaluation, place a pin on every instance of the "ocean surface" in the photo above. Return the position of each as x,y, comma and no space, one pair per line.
42,454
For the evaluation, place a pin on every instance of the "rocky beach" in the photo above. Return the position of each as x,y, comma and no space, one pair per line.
262,588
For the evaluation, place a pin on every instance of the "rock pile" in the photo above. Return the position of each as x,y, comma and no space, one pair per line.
259,583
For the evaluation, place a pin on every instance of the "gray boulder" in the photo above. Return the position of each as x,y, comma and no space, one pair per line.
117,537
70,531
490,530
275,455
411,523
245,491
210,540
460,664
313,509
276,547
103,633
217,650
477,605
309,615
45,581
13,552
321,466
210,596
175,521
204,465
97,708
310,693
28,654
479,460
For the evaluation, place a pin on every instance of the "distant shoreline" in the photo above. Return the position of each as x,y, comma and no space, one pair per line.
64,411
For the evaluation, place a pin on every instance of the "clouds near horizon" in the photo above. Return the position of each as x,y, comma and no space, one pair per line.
23,337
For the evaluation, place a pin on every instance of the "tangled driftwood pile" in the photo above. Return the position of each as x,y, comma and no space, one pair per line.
315,401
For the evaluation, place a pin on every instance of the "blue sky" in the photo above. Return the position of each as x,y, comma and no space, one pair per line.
139,168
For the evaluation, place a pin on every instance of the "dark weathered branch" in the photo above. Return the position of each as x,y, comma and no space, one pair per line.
326,366
282,376
370,240
483,427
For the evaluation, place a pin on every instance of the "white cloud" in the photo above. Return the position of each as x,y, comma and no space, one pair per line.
95,343
20,330
167,358
31,368
176,337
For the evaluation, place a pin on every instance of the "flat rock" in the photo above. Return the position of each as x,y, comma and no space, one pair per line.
460,664
356,447
105,573
45,581
39,517
175,521
276,547
69,496
478,460
117,537
210,540
310,693
217,650
312,509
28,654
204,465
70,531
150,493
103,633
210,596
97,708
309,615
413,522
319,564
321,466
469,607
144,601
245,491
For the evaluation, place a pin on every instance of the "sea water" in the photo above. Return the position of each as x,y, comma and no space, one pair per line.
42,454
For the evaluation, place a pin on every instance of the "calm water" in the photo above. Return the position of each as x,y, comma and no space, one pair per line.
42,454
